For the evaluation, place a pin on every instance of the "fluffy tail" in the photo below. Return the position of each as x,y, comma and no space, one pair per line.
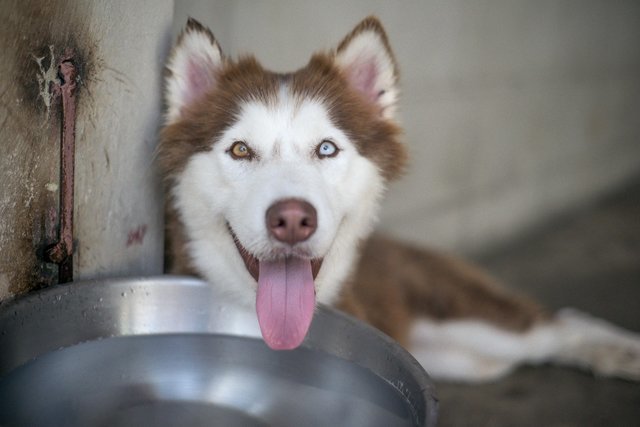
594,344
464,326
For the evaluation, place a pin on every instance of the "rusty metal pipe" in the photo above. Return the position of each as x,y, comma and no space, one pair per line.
62,252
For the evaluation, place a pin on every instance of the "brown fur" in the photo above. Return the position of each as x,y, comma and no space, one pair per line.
198,128
194,25
395,283
375,137
201,123
176,254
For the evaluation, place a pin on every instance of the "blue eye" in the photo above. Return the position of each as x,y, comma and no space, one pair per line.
327,149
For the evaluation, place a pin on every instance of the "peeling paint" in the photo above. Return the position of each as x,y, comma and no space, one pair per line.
51,186
47,78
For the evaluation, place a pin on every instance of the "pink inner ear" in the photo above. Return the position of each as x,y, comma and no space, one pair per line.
200,79
363,74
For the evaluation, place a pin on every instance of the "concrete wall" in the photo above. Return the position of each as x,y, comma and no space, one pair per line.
515,111
119,50
119,224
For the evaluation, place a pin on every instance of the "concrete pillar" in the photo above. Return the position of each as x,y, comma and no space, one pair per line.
119,48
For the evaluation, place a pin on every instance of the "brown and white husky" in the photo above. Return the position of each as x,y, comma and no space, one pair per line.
273,185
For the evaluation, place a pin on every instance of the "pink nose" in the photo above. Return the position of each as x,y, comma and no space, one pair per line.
291,220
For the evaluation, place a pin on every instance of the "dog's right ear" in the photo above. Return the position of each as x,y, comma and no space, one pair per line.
192,69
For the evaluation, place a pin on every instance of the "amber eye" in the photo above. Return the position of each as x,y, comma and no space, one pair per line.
240,150
327,148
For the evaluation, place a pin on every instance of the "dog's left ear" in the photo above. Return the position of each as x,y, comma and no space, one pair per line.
369,65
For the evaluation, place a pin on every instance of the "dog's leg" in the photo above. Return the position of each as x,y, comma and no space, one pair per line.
464,327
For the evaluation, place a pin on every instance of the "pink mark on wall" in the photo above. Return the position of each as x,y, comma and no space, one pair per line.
136,235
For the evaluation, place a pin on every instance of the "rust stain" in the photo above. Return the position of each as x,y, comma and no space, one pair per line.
136,235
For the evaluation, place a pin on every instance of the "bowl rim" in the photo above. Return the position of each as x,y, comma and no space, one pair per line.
104,311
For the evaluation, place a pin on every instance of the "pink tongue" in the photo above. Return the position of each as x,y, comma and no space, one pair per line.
285,301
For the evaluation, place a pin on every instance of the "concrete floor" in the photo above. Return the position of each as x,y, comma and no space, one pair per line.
591,261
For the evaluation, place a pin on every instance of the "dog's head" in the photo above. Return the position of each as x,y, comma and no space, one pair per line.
275,178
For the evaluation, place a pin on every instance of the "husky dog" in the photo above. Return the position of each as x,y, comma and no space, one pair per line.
273,184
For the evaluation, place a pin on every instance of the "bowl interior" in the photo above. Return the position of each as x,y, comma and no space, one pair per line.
167,351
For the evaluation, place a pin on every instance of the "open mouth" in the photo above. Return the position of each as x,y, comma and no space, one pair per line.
285,299
252,263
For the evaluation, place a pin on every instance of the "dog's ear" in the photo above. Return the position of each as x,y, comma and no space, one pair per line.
369,65
192,69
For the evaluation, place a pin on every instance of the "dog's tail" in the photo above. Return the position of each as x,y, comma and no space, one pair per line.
597,345
462,325
473,351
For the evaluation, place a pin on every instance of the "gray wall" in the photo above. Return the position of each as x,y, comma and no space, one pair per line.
514,111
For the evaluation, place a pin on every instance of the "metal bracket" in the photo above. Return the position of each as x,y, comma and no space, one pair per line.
61,252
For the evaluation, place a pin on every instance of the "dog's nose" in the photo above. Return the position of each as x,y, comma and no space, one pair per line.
292,220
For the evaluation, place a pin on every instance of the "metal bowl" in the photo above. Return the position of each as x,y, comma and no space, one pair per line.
164,351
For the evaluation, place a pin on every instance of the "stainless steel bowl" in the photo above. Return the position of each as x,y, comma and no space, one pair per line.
165,351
